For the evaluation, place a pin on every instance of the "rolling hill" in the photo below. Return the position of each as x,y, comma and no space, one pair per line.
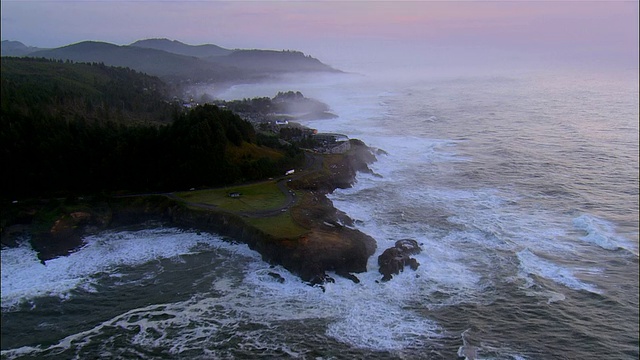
166,65
272,61
174,61
177,47
16,48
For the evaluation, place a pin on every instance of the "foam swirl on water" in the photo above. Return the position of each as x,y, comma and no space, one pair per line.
600,233
532,264
24,277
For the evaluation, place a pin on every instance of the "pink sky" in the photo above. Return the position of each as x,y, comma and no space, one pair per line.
343,33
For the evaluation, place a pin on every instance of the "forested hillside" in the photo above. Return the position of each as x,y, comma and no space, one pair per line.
78,128
93,92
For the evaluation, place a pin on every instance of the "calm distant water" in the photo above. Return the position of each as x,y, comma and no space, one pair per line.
522,190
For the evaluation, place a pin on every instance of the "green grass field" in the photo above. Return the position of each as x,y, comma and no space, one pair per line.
254,197
281,226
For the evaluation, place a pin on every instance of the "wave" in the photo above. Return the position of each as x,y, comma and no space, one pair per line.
251,302
24,277
601,233
531,264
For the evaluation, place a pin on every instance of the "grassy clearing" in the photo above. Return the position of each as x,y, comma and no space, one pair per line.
281,226
254,197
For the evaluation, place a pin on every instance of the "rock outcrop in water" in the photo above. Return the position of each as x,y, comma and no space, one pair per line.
394,259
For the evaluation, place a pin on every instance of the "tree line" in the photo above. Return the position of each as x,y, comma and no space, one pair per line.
49,151
92,91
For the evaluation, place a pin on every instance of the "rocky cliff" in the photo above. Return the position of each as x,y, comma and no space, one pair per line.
330,244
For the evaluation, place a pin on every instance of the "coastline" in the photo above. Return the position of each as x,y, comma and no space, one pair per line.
327,243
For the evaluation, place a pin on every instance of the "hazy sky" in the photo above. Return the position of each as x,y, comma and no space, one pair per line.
346,33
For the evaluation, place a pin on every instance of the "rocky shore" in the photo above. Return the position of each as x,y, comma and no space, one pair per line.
330,244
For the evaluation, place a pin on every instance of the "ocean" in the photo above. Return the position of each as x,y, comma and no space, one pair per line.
521,188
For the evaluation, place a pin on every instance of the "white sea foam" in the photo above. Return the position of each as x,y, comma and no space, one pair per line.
24,277
600,232
487,221
461,239
379,325
532,264
368,315
476,349
449,271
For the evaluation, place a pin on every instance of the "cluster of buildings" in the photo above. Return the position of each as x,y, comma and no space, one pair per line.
324,143
331,143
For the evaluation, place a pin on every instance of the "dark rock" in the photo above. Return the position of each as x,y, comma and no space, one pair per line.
277,276
13,234
349,276
64,236
394,259
413,264
320,280
408,246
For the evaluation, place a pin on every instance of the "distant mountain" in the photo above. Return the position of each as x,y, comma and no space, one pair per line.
272,61
176,61
16,48
177,47
166,65
254,60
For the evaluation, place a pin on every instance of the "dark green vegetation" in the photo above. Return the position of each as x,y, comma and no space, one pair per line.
37,88
286,104
69,129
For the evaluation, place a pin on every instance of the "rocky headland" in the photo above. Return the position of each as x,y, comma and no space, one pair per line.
328,244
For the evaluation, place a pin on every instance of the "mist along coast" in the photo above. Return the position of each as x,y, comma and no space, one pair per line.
529,244
322,239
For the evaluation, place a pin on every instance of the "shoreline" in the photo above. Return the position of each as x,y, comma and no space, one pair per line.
327,244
